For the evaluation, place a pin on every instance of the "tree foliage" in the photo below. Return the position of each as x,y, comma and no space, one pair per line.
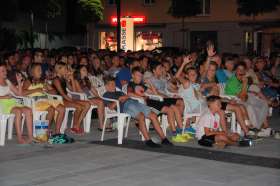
43,9
90,10
256,7
8,10
184,8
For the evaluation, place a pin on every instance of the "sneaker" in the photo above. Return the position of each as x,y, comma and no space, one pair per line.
187,136
189,130
264,132
152,144
245,143
251,133
179,139
277,135
166,142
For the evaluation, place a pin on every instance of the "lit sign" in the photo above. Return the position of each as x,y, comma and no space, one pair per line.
127,33
136,19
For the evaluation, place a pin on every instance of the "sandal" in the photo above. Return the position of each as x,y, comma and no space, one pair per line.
76,131
107,129
81,131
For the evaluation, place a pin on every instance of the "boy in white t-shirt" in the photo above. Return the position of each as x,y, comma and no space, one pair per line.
209,132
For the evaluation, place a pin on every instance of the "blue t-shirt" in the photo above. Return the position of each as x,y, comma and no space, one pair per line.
123,74
114,95
221,76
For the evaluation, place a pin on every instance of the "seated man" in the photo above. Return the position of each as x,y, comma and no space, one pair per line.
137,110
257,108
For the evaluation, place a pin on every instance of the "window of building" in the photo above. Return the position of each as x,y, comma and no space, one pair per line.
205,6
148,40
149,2
108,40
111,2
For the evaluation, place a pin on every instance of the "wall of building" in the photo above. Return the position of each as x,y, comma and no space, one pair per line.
223,19
221,11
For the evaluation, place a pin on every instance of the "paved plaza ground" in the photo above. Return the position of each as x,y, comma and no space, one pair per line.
89,162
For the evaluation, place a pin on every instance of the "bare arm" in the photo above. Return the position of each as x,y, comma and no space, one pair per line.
60,90
178,75
25,90
76,87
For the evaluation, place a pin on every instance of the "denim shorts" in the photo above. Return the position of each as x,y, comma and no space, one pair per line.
133,108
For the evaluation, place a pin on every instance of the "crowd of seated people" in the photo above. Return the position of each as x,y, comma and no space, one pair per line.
202,82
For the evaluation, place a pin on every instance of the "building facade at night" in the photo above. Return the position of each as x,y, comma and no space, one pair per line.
218,21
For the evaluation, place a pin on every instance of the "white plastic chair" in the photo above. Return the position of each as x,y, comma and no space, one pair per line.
67,111
4,120
87,119
188,115
37,115
122,118
234,125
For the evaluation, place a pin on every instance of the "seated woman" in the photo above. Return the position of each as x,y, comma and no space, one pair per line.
256,107
209,83
35,87
10,106
60,83
269,86
83,85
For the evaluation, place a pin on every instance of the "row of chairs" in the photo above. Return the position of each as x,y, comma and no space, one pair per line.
123,119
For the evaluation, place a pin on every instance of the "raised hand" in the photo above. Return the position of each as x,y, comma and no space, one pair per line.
187,59
211,51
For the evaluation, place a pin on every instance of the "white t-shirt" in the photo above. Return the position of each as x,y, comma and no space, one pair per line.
208,120
5,90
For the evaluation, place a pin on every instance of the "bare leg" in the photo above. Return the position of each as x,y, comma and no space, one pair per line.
180,105
100,110
234,137
178,116
142,126
223,120
170,117
156,124
18,119
224,139
77,112
60,116
239,116
85,107
265,124
29,122
50,115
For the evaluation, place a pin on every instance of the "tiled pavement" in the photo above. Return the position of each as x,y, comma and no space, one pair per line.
81,164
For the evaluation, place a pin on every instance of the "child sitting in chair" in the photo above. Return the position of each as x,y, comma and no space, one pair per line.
137,110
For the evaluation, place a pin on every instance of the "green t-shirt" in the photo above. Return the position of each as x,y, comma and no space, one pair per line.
233,86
